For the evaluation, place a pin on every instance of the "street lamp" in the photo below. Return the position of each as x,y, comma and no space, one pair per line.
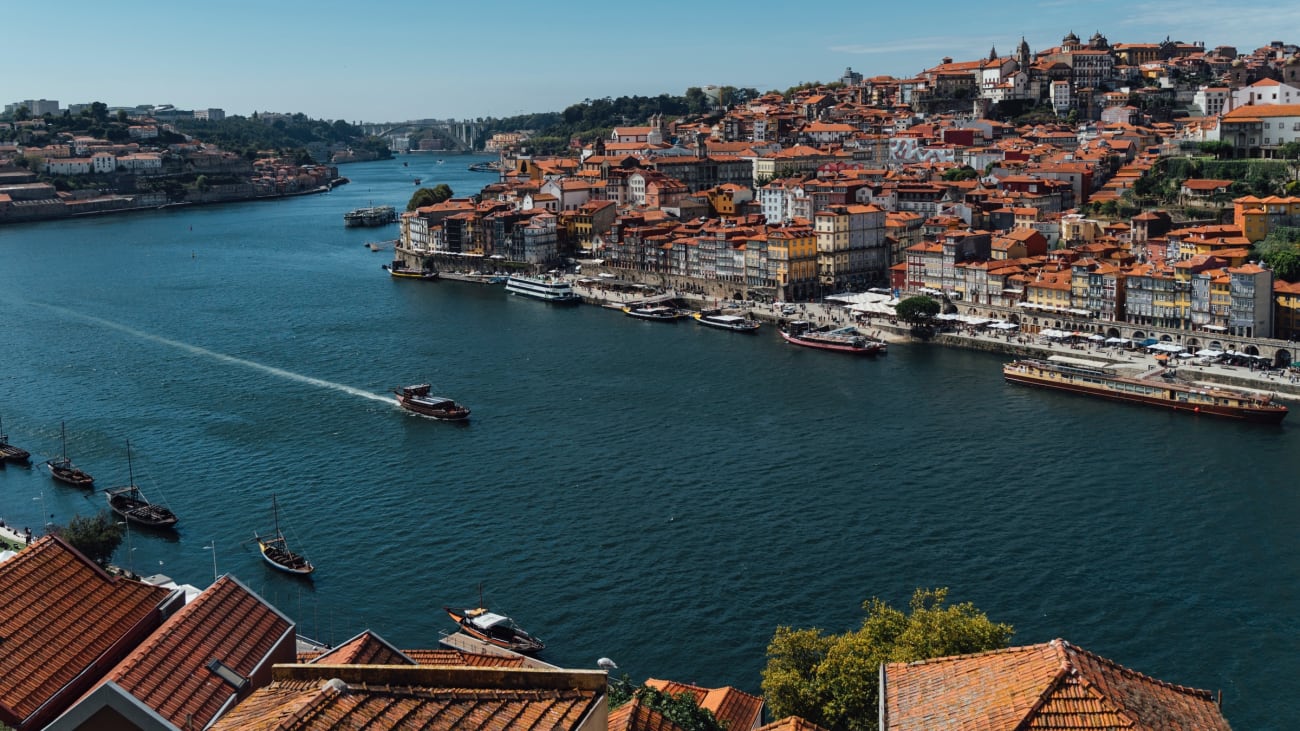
213,547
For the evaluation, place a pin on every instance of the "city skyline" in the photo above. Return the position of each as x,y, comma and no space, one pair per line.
400,60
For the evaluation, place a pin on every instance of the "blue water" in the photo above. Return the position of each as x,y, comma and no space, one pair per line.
661,494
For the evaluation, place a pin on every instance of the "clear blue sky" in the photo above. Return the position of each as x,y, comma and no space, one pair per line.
393,60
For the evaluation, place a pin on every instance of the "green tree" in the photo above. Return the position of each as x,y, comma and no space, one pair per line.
917,310
1218,148
681,709
97,537
834,681
965,172
1280,249
429,196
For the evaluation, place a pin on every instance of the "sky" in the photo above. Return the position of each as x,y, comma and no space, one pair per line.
398,60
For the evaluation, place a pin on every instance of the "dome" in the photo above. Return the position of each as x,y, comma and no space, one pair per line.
1071,38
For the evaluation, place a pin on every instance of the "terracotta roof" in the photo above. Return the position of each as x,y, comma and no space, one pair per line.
792,723
635,716
377,697
366,648
63,615
1052,685
740,710
227,622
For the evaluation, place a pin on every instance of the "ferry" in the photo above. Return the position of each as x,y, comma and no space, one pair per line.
843,340
416,398
660,313
549,289
734,323
1160,388
372,216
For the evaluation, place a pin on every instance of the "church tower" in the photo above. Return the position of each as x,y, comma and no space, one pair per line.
1022,55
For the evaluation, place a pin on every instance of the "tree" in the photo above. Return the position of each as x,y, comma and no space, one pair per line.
834,681
96,537
1220,149
429,196
682,709
965,172
917,310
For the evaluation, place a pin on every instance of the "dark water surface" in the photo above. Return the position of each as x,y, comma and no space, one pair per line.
664,495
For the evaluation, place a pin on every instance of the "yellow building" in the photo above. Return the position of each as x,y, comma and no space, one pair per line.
1286,309
1257,216
792,257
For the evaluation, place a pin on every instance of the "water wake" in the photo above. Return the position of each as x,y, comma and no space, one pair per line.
222,357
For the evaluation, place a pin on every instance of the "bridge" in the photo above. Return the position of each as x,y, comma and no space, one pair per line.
465,135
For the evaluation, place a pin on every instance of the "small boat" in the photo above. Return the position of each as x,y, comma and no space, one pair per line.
734,323
843,340
661,313
132,505
1161,388
379,245
398,270
417,181
417,399
275,549
61,467
10,453
495,629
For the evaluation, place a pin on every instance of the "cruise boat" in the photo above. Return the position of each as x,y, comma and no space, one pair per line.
661,313
371,216
843,340
417,399
549,289
734,323
1160,388
495,629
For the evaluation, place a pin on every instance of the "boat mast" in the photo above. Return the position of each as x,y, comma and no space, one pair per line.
63,431
129,469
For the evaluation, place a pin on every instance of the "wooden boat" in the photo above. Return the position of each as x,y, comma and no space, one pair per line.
10,453
399,271
844,340
495,629
417,399
132,505
1160,389
658,313
734,323
276,552
61,467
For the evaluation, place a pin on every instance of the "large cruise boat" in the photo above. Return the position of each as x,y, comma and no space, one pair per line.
1160,388
843,340
550,289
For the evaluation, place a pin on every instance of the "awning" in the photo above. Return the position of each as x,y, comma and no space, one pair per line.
1118,341
1096,338
1215,328
1003,326
1208,353
1167,348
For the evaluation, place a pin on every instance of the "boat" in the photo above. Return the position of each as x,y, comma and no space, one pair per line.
843,340
370,216
417,181
549,289
1160,388
734,323
275,549
379,245
485,167
61,467
132,505
495,629
399,270
661,313
10,453
439,161
417,399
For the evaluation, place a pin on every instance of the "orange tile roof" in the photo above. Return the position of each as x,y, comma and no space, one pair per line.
366,648
63,615
379,697
740,710
792,723
228,622
636,716
1052,685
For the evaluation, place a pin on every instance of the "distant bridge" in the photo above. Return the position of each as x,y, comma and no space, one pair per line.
464,134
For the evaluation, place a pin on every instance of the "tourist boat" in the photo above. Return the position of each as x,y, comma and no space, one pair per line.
370,216
495,629
549,289
843,340
132,505
417,399
734,323
660,313
61,467
1161,388
399,270
275,549
10,453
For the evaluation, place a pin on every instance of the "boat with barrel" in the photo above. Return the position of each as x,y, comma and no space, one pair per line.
734,323
657,313
62,469
131,504
495,629
548,289
276,552
1160,387
417,399
842,340
10,453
